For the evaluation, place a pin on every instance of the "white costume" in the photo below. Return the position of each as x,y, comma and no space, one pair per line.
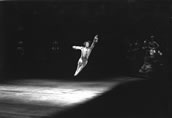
85,53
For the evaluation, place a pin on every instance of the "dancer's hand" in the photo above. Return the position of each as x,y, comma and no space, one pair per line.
96,38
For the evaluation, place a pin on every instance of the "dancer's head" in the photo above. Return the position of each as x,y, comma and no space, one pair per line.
87,44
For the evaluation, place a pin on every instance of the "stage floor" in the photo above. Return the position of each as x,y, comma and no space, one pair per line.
37,98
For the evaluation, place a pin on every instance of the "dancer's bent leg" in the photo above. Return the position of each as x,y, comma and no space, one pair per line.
81,65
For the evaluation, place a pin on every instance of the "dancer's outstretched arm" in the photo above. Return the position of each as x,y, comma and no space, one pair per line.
94,41
77,47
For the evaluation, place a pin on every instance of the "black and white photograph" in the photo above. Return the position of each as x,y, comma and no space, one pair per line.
85,58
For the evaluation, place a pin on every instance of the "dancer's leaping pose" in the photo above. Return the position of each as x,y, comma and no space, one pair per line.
85,53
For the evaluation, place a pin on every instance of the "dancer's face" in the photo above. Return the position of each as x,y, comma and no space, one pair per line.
87,44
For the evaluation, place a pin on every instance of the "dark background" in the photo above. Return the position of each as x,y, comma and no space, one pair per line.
72,23
37,24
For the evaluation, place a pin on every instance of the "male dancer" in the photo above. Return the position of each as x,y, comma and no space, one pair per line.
85,53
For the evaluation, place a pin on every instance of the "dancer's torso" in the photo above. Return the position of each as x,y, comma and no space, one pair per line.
85,52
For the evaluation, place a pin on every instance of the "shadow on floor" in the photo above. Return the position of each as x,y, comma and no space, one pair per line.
137,99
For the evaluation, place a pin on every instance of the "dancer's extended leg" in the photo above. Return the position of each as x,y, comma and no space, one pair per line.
78,70
80,66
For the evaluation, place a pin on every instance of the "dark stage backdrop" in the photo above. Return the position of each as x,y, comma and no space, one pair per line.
2,48
35,25
46,31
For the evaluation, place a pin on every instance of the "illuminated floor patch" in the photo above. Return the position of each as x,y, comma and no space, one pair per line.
53,94
62,94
